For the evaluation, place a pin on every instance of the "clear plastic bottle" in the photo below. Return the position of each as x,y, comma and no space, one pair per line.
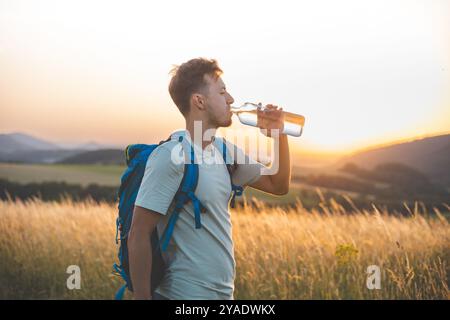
247,114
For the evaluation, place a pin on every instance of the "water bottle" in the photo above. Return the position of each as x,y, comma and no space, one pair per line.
293,123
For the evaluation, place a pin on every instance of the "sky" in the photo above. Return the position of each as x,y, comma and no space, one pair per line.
362,73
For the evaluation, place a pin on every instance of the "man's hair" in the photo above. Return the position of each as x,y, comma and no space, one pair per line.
188,78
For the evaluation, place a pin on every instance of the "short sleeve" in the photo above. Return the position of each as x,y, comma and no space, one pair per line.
161,181
247,170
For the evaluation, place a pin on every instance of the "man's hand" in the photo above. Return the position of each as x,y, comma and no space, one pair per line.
271,118
278,183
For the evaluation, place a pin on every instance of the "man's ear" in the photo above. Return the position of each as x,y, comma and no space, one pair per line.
198,101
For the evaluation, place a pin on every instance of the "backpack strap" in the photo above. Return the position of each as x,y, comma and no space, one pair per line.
185,193
231,165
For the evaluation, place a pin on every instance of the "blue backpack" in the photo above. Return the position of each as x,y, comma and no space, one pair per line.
136,156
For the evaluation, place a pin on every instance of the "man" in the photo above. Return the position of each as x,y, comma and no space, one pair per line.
201,261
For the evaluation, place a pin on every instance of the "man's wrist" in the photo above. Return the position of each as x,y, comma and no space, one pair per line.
280,136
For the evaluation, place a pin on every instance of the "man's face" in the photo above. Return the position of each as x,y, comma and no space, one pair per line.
218,102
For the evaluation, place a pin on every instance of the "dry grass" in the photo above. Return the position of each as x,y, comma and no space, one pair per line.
280,254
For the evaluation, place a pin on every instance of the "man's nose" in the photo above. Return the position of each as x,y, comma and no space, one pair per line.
230,99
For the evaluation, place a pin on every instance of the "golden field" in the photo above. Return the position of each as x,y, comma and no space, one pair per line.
280,253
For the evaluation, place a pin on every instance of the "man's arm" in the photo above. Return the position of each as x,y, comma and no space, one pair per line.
140,250
278,183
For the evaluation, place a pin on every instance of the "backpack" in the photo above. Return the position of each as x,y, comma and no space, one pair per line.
136,156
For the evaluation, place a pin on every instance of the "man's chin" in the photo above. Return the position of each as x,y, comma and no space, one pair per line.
227,124
224,124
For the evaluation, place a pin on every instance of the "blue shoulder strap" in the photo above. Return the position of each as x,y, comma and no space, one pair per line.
230,163
185,193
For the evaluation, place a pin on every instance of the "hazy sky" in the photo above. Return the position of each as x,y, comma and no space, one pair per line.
361,72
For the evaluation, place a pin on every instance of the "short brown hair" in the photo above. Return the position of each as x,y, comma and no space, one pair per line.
188,78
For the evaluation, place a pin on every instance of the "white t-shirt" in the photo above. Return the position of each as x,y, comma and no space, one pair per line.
201,261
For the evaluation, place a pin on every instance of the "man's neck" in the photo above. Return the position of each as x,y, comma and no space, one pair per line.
197,131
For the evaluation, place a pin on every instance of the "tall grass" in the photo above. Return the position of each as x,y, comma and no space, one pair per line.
280,253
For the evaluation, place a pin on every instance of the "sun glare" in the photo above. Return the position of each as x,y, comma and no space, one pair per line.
359,76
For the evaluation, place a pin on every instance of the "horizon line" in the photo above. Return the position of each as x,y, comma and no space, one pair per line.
309,151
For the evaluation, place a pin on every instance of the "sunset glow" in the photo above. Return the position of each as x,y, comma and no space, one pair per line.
361,72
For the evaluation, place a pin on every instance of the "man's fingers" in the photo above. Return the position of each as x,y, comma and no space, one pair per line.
270,113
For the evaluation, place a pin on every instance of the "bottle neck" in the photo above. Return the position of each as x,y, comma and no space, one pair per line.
246,107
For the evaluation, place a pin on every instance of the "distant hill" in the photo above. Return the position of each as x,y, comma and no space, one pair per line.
88,146
25,148
14,142
38,156
106,156
430,156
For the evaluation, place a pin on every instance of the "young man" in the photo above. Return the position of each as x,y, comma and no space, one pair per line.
201,261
